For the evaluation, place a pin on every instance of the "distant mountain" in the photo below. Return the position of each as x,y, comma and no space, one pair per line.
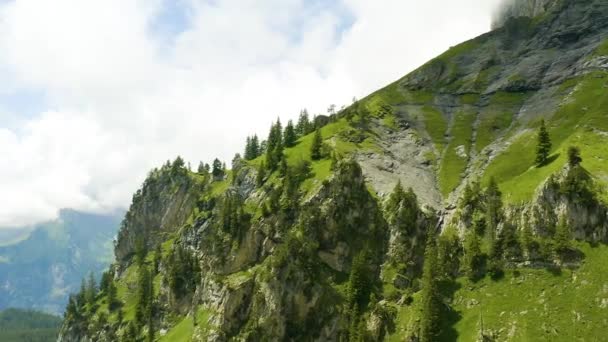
26,325
40,271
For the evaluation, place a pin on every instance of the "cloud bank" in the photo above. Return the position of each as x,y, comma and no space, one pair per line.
95,93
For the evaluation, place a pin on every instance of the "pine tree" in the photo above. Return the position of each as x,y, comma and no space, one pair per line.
255,146
91,290
144,296
259,179
562,237
290,136
112,296
81,297
252,148
358,291
493,198
473,258
316,148
544,145
274,146
574,156
248,153
158,254
218,170
304,125
430,302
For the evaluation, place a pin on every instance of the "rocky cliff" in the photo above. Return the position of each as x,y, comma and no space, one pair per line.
521,8
429,183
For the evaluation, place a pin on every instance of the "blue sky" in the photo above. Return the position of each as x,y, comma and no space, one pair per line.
96,93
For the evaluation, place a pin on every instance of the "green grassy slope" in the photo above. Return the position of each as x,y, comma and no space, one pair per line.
25,325
527,304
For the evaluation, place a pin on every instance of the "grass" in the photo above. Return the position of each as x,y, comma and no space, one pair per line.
580,122
527,304
602,49
436,125
452,165
182,332
497,117
537,305
219,187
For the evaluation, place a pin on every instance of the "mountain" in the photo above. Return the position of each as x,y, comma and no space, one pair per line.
25,325
464,202
41,270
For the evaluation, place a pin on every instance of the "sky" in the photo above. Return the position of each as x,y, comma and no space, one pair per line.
95,93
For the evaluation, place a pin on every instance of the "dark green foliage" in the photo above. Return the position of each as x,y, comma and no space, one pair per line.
353,211
91,290
358,293
562,239
289,136
304,126
359,284
508,243
403,210
140,250
274,146
574,156
232,218
237,164
178,165
218,171
493,201
449,250
316,149
252,148
430,300
261,175
28,326
579,187
183,271
158,254
543,147
111,293
203,169
145,296
474,260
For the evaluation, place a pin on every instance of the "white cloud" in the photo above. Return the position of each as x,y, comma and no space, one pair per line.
121,99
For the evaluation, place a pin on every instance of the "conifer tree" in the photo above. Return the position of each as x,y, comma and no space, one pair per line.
91,290
248,155
252,148
304,125
259,179
144,296
255,146
574,156
290,136
157,258
359,289
473,258
112,292
274,146
544,145
493,198
562,237
218,169
430,302
316,148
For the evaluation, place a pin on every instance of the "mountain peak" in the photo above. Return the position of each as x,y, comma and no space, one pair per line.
521,8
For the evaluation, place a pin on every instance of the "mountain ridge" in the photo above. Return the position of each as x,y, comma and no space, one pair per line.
396,217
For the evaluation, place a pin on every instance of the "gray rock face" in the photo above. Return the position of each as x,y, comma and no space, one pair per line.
587,219
161,206
521,8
